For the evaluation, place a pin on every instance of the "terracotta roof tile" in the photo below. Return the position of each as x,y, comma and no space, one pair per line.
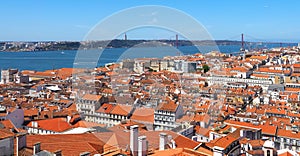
288,134
123,110
87,124
256,143
31,112
143,114
168,106
5,133
276,111
7,124
105,108
296,65
223,142
69,144
55,124
266,129
92,97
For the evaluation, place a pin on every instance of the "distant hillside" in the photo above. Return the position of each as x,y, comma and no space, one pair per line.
131,43
69,45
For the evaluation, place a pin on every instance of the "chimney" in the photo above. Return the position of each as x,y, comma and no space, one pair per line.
57,153
68,119
84,154
134,133
34,124
36,148
17,144
162,141
171,142
143,146
242,133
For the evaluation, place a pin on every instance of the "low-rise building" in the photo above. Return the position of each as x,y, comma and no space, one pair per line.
6,142
166,114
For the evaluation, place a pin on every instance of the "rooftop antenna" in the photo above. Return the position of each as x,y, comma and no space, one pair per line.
125,37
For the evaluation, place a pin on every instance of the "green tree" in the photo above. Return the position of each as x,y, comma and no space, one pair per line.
205,68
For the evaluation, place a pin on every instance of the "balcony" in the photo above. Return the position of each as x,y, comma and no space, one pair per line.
165,113
164,118
166,124
157,118
85,109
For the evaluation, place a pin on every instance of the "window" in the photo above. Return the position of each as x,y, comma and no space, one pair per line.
268,153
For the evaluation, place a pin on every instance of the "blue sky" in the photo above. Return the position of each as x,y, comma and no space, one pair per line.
265,20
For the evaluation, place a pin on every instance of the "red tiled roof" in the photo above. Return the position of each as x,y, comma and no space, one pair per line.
185,118
276,111
31,112
87,124
202,118
143,114
122,138
169,106
5,133
240,69
292,89
288,134
181,141
294,96
7,124
296,65
64,72
290,114
69,144
260,75
55,124
123,110
91,97
107,91
256,143
105,108
75,118
287,153
224,142
202,131
259,57
266,129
